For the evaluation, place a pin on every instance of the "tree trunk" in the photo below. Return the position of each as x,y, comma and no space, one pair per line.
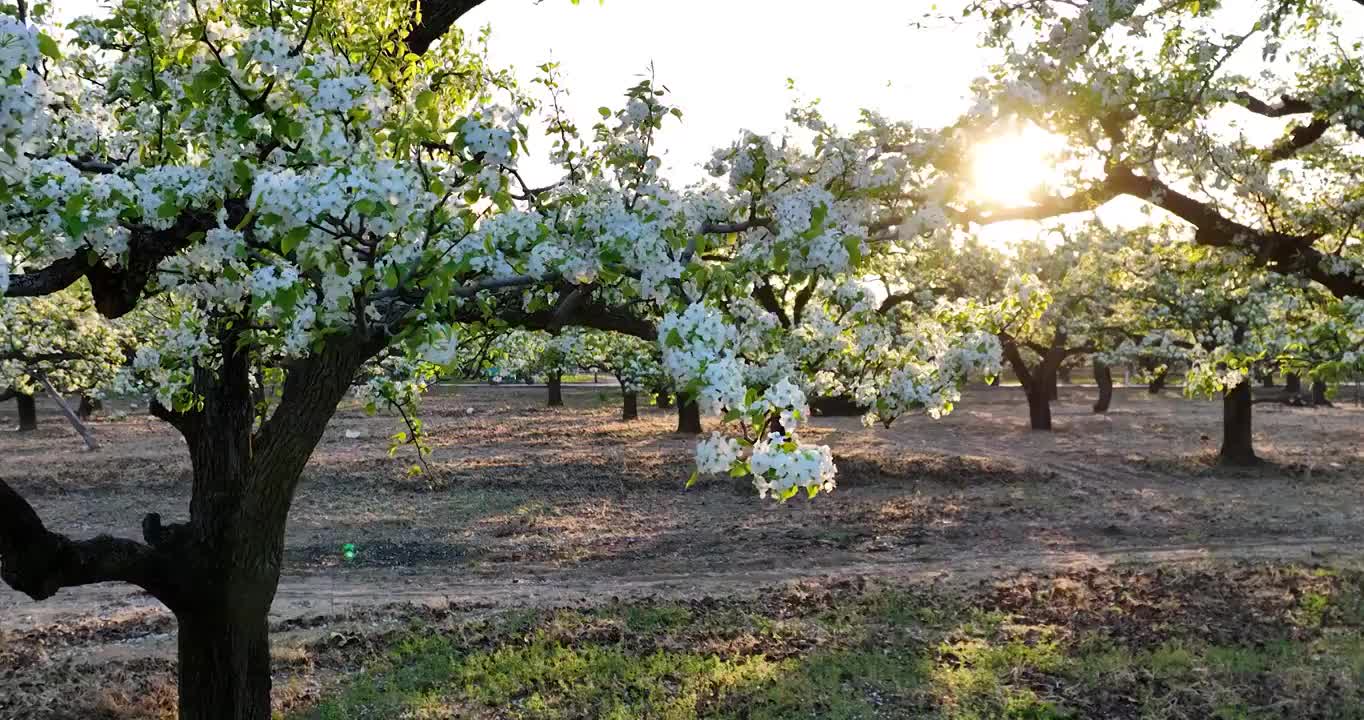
663,399
688,417
1103,375
1319,398
1292,383
225,662
232,548
88,407
28,412
219,571
629,409
1157,383
995,381
1039,405
1063,374
1267,379
1053,392
1237,446
556,390
836,406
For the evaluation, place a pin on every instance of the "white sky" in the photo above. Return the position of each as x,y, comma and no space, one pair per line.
727,61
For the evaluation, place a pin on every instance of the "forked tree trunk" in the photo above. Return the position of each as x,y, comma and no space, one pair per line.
1237,444
230,552
629,408
1319,398
688,416
28,412
1038,383
556,390
1157,383
1103,376
1292,383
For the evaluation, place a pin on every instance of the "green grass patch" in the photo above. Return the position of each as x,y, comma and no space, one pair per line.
1178,644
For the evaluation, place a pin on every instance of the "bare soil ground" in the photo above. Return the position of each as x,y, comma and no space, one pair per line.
530,506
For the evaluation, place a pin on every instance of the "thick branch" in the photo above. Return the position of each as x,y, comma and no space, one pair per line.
1015,359
1299,138
1287,105
437,17
1285,253
118,290
725,228
38,562
767,297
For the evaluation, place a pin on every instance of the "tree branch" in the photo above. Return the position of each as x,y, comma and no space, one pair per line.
1281,251
437,17
38,562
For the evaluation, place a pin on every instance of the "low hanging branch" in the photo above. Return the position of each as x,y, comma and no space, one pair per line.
38,562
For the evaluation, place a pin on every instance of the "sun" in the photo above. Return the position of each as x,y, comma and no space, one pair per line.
1008,169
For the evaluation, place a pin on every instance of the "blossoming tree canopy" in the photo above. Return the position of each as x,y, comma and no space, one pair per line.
1241,119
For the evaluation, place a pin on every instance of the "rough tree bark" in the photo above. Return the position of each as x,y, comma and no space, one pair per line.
1237,443
28,412
218,572
688,416
88,407
629,408
1039,402
556,390
1319,398
1292,383
1103,376
1038,383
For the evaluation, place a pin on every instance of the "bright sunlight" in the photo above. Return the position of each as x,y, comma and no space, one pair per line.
1010,168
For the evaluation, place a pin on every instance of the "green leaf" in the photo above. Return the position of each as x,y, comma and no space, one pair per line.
391,276
853,245
291,239
425,100
47,46
695,475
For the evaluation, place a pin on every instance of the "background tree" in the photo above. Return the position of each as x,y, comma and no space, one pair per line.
634,363
1151,99
57,345
1217,306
